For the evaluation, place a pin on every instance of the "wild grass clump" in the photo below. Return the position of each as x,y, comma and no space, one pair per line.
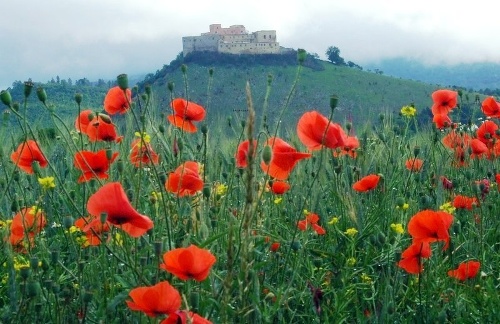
132,213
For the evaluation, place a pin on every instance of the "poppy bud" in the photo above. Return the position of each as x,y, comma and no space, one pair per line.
25,272
416,150
6,97
163,177
78,98
183,68
122,81
15,106
161,128
34,263
229,118
119,166
68,221
28,86
45,265
147,89
400,201
158,246
104,218
170,86
296,245
348,126
144,96
104,118
204,129
243,123
301,55
130,194
36,167
33,288
269,79
334,100
41,94
206,192
211,72
267,154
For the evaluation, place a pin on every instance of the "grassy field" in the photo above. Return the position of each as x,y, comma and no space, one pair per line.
150,213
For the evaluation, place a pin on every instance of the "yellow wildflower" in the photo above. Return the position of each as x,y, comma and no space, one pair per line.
278,200
117,239
405,206
74,229
351,232
47,183
351,262
398,228
220,189
334,220
366,278
408,111
447,207
145,137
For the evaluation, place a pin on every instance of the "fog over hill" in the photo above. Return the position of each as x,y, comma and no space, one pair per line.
476,76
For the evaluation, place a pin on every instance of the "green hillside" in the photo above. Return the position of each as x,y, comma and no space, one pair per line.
363,95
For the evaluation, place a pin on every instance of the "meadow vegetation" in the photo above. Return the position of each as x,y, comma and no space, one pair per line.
134,213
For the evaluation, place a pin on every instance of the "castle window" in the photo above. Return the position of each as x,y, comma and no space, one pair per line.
264,36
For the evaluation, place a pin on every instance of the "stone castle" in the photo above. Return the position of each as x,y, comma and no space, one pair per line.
232,40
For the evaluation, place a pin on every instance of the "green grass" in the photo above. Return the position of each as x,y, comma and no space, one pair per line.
357,275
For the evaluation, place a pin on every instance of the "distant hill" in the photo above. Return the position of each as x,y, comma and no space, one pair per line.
475,76
362,95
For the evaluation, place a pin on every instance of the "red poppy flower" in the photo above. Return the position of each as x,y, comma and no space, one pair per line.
486,133
83,120
185,113
185,180
112,200
454,140
479,149
491,107
117,101
27,153
283,160
442,121
484,187
464,202
311,219
242,153
411,258
93,229
414,164
275,246
444,101
142,153
97,127
465,270
155,300
185,317
497,180
186,263
315,131
367,183
26,224
279,187
430,226
93,165
350,145
447,183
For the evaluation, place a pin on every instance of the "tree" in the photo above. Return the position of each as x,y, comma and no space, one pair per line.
333,54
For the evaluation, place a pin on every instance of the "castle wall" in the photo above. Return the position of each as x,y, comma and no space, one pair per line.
200,43
232,40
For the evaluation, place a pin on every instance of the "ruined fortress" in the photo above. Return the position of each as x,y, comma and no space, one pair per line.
232,40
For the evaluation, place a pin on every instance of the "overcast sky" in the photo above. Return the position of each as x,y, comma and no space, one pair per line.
103,38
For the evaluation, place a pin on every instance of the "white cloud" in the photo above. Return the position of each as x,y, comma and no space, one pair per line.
102,38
